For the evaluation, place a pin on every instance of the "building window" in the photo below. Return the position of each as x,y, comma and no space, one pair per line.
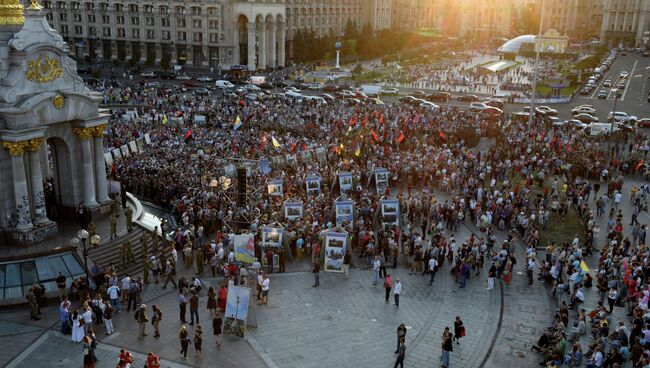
213,11
60,5
214,38
64,29
135,33
103,6
164,22
151,34
166,35
196,23
120,19
135,21
77,17
49,17
91,18
78,30
106,31
180,23
47,5
106,19
74,5
213,24
92,31
121,32
150,21
181,36
119,8
179,10
163,10
133,8
196,10
148,9
198,37
63,17
90,6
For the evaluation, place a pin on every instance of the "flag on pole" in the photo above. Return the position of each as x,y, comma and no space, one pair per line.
237,123
164,119
400,138
188,135
374,135
357,150
381,119
275,142
442,136
639,165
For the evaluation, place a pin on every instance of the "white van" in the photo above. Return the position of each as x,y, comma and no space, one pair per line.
223,84
294,96
371,90
595,129
256,80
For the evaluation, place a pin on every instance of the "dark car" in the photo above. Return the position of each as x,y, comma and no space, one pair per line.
265,85
439,96
189,84
418,94
166,75
406,99
468,98
330,88
281,84
300,85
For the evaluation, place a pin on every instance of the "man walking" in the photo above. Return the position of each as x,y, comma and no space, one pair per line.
194,308
388,285
182,304
492,272
170,273
530,269
397,290
108,318
142,319
447,347
316,271
401,354
433,268
376,264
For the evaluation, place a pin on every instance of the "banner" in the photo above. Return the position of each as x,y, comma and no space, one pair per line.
293,210
313,185
272,237
335,245
381,180
390,212
275,187
237,302
345,182
344,212
245,248
265,166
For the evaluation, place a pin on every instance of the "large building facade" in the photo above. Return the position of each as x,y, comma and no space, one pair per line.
203,33
626,23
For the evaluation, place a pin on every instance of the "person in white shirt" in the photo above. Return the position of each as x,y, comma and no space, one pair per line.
88,319
265,290
126,283
231,257
114,296
433,267
397,290
617,199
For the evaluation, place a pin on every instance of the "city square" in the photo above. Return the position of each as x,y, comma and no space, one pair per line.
377,183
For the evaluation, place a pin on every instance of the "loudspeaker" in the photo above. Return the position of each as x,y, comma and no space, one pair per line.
242,187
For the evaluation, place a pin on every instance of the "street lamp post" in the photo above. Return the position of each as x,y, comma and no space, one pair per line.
613,118
536,73
82,235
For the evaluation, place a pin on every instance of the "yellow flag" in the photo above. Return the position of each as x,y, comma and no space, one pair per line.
164,119
275,142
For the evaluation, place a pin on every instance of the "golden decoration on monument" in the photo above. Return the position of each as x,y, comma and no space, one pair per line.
43,69
58,101
15,148
34,5
11,13
84,133
34,144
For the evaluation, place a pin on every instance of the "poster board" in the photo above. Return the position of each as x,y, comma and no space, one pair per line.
140,143
133,147
320,154
390,212
272,237
108,159
229,170
147,138
344,212
117,154
292,160
265,166
275,187
125,151
236,313
345,181
312,184
381,180
335,246
245,248
293,210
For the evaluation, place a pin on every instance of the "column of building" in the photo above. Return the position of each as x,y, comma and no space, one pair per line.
281,43
87,173
272,60
36,177
262,45
251,45
101,184
21,194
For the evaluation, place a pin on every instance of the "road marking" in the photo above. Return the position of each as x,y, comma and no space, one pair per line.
628,81
17,361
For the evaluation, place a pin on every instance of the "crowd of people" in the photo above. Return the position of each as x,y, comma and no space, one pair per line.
517,185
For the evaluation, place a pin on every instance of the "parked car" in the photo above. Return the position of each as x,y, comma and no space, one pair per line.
644,123
204,78
252,88
328,97
439,96
203,92
494,103
607,83
491,111
429,106
418,94
575,123
315,86
406,99
251,97
265,85
554,120
583,110
477,106
390,91
318,99
547,110
280,84
331,88
147,75
183,77
602,94
624,74
189,84
622,117
586,118
468,98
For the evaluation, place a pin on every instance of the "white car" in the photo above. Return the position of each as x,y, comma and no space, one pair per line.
624,74
429,106
390,91
252,88
607,83
317,99
574,123
147,75
292,89
315,86
583,110
477,106
184,77
547,110
204,78
622,117
251,97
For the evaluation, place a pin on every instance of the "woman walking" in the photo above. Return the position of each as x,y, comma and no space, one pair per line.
216,326
212,302
459,329
155,320
198,341
185,340
89,361
388,285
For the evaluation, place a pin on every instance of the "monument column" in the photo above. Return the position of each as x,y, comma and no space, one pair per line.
21,195
36,176
87,173
251,46
262,44
100,165
281,43
272,60
235,49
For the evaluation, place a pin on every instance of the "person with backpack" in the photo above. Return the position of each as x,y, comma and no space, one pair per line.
141,318
155,320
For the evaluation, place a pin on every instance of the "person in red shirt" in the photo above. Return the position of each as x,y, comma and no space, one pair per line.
223,295
153,361
125,358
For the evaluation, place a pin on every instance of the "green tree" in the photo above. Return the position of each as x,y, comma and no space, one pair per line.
529,18
351,31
